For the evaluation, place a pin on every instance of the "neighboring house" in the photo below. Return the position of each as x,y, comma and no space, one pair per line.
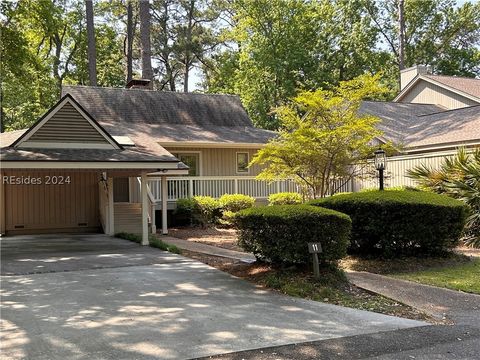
429,119
128,153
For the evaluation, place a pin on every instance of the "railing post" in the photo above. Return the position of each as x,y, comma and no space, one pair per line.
111,207
154,227
164,206
144,198
277,186
190,188
235,186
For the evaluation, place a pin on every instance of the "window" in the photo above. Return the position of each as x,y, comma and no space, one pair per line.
121,189
191,160
242,162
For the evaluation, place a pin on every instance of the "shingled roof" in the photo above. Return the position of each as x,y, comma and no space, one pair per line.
170,117
425,125
470,86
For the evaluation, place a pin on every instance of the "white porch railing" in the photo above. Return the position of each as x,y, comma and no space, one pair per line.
216,186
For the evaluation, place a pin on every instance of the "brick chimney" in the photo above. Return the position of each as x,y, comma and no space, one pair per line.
138,84
408,74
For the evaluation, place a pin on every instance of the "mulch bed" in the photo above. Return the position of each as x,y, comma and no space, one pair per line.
257,272
216,236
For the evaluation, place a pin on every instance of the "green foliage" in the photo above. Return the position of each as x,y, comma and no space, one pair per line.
152,239
394,223
201,210
458,177
322,135
279,234
236,202
285,198
437,32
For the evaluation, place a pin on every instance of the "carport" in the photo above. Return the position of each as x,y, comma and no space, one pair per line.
58,175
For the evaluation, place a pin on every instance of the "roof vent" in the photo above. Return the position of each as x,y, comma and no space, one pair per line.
138,84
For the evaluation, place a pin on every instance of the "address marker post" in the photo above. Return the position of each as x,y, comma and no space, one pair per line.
315,249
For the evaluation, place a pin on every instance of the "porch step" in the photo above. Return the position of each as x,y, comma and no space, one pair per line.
128,218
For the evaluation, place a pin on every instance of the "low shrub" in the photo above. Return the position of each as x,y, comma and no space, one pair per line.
207,210
279,233
285,198
390,223
236,202
199,210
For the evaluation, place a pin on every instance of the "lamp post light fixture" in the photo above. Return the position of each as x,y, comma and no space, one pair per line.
380,164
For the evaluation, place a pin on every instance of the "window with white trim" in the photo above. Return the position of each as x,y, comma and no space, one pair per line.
242,162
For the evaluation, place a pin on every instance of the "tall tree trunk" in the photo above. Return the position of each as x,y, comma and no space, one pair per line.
188,45
129,41
146,50
401,34
92,52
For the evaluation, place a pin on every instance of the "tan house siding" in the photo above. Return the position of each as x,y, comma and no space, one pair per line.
48,208
397,168
427,93
219,161
68,125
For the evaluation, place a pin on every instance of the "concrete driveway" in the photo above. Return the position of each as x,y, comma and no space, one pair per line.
95,297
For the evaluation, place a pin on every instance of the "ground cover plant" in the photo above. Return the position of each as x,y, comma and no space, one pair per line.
152,239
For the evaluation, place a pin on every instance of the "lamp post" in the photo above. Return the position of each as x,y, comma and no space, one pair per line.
380,164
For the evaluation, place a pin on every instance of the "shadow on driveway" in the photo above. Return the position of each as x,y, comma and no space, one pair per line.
99,305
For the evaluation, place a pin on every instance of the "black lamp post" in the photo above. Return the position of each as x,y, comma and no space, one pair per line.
380,164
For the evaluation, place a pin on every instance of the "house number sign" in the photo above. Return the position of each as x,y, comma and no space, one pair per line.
315,249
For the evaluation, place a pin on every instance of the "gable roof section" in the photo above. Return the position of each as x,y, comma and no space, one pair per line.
66,125
425,126
467,87
139,106
171,118
451,127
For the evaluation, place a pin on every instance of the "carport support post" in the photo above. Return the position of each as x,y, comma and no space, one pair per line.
111,217
164,205
144,209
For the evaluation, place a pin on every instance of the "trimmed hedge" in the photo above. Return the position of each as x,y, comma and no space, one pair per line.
279,234
390,223
285,198
236,202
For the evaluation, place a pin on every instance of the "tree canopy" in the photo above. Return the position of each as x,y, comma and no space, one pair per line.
265,51
322,135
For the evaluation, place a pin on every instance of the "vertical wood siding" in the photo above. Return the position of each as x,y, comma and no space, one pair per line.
55,208
220,161
428,93
68,125
397,168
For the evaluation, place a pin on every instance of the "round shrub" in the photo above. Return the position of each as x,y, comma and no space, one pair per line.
285,198
202,210
279,234
236,202
390,223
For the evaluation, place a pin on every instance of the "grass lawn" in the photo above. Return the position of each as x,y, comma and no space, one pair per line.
464,277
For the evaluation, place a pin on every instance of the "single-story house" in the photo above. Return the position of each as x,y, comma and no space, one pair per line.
109,159
105,159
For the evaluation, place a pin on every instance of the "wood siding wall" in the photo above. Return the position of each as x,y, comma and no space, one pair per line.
219,161
68,125
46,208
428,93
397,168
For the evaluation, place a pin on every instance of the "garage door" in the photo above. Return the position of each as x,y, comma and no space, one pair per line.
51,202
